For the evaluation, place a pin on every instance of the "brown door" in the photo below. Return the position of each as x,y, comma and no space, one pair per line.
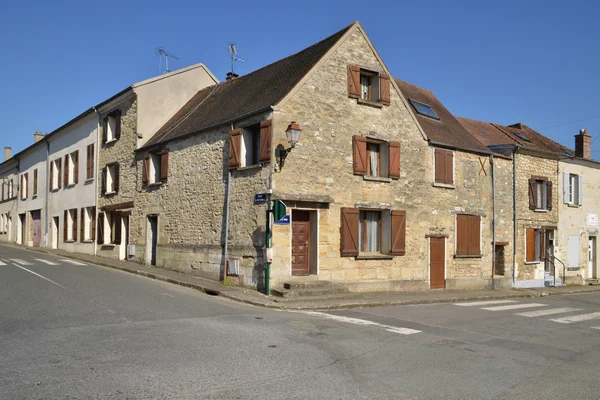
37,227
437,261
300,242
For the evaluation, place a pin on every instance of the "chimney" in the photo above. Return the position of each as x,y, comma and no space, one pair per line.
583,145
37,136
7,153
231,76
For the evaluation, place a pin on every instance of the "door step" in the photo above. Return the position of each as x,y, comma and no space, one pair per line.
593,282
309,287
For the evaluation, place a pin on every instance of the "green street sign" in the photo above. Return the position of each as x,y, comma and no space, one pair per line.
279,210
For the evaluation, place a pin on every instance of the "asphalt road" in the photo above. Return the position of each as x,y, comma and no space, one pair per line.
75,331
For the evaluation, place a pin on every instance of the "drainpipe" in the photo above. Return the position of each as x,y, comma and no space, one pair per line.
47,192
18,221
96,182
515,214
227,201
493,216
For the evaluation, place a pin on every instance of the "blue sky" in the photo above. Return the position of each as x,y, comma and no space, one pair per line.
501,61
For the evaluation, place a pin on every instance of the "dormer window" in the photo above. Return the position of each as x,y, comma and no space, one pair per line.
423,109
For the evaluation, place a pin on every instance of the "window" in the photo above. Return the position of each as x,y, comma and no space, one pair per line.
56,174
111,129
540,194
468,235
109,228
70,225
373,232
3,191
376,158
11,193
444,166
156,168
423,109
35,182
88,223
89,172
368,85
72,168
110,179
250,145
24,185
522,136
572,188
535,244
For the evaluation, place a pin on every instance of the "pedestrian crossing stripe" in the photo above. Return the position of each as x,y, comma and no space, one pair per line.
1,263
484,303
595,327
577,318
46,261
19,261
72,262
541,313
514,307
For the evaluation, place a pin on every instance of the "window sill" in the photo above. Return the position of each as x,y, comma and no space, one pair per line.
89,180
70,185
34,196
468,256
444,185
155,184
110,245
540,211
87,241
376,178
110,141
376,104
110,193
69,241
573,205
255,166
374,257
533,262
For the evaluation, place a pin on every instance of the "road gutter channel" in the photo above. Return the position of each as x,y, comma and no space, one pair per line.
283,306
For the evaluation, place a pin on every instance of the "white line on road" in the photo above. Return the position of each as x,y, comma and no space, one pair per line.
514,307
43,277
72,262
168,295
577,318
541,313
18,261
364,322
46,261
1,263
595,327
484,303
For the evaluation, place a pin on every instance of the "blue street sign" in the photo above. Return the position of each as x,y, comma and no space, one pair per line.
283,221
260,198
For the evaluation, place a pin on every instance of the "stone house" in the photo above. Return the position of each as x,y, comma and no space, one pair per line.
127,121
8,196
536,196
366,202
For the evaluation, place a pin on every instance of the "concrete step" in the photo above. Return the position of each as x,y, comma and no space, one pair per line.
320,299
322,291
593,282
306,283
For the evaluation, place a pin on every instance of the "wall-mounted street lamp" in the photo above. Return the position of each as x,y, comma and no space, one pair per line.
293,135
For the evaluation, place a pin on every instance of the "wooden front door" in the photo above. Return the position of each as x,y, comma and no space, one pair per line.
37,227
300,242
437,263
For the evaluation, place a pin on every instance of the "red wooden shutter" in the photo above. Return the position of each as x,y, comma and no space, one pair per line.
76,167
394,161
52,175
105,130
384,87
530,244
146,169
349,232
398,233
104,172
117,227
65,232
440,176
359,144
449,167
164,165
116,178
100,224
353,82
462,234
266,135
549,195
93,223
117,124
75,225
82,228
235,146
532,194
66,170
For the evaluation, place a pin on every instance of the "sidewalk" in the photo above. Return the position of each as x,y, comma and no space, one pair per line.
349,300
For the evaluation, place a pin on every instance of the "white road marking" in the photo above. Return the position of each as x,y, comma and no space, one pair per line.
514,307
364,322
484,303
43,277
72,262
1,263
541,313
595,327
18,261
577,318
168,295
46,261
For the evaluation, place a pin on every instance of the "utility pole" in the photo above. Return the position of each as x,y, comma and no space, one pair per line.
268,244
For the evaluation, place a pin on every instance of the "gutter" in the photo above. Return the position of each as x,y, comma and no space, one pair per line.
447,146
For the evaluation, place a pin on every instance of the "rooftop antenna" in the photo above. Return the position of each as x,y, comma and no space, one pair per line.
162,52
234,57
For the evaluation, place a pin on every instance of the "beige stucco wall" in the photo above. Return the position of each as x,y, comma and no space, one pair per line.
8,206
34,158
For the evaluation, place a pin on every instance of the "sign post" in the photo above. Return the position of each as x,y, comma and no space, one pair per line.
268,244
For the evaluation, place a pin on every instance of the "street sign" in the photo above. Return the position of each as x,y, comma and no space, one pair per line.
279,210
283,221
260,198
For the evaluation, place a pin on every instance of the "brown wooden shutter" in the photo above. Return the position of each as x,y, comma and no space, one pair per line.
394,161
359,144
88,162
353,81
117,227
530,244
266,135
349,232
449,167
66,170
75,225
105,130
117,124
549,195
76,168
52,175
146,169
65,232
384,85
93,222
474,235
440,162
398,233
542,233
104,172
100,225
532,194
82,227
35,182
164,165
462,234
116,178
235,147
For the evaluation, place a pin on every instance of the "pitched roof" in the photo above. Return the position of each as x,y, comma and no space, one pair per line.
447,130
249,93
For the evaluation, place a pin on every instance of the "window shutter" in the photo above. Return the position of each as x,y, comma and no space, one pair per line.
462,234
117,124
66,170
116,178
353,81
532,194
549,195
82,227
349,232
440,177
164,166
474,235
105,130
566,181
93,223
52,175
103,191
235,145
530,244
398,233
449,167
75,225
100,228
266,129
580,183
542,242
76,168
384,85
65,232
146,169
394,160
88,164
117,228
359,144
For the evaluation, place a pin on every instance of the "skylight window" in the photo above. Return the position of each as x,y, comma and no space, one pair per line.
569,152
424,109
484,134
523,137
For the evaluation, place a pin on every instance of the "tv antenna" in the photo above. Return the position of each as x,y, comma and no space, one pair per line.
162,52
234,57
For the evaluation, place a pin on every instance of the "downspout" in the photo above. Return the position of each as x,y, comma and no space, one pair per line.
227,201
493,216
515,215
96,165
18,221
47,192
